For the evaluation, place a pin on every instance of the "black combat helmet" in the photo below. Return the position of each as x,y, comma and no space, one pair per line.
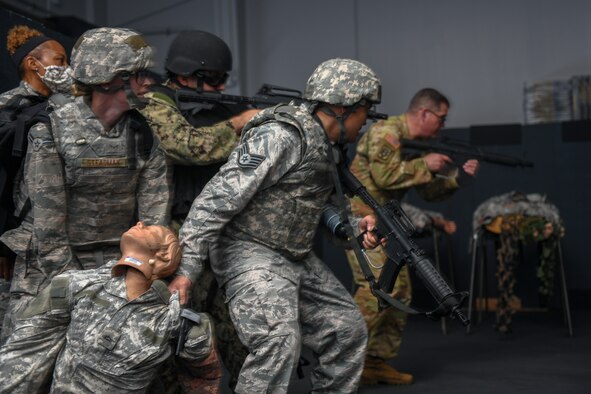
196,50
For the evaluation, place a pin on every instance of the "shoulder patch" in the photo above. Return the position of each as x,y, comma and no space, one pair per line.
392,141
387,147
247,159
385,151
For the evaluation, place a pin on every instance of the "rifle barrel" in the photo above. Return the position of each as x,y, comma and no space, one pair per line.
265,98
470,151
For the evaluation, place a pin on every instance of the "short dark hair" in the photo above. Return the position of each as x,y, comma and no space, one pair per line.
428,98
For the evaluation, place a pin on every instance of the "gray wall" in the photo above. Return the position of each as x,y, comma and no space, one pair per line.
161,21
480,53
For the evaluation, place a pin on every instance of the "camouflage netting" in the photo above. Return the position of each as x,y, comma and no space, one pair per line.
526,218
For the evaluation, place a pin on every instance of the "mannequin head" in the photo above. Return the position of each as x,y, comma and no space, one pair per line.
152,250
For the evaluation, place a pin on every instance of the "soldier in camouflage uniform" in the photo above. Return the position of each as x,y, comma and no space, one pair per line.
42,66
194,134
256,220
108,330
381,168
198,139
34,55
91,172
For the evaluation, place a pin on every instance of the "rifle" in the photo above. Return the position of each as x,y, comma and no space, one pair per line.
395,226
267,96
457,148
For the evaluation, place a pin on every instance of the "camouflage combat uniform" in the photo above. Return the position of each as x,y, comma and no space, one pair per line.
100,342
185,143
197,142
265,206
381,168
86,187
23,89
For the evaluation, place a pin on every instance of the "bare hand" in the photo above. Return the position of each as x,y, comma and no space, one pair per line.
240,120
471,167
367,227
436,162
448,226
182,284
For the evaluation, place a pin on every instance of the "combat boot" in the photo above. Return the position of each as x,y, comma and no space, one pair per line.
378,371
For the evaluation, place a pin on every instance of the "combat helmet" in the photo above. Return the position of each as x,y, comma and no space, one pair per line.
196,50
343,82
101,54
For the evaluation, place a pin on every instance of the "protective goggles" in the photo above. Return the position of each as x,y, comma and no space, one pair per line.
212,78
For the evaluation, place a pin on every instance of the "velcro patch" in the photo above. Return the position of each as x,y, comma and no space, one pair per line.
385,152
117,162
247,159
387,148
109,338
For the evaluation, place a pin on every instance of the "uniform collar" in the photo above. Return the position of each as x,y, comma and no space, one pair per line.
158,291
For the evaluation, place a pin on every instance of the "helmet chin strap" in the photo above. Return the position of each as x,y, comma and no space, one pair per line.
342,140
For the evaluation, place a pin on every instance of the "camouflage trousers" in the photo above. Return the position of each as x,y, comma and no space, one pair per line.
26,282
4,300
208,297
17,304
275,316
384,326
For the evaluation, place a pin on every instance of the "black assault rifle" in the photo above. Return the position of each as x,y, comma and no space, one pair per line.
267,96
456,148
397,229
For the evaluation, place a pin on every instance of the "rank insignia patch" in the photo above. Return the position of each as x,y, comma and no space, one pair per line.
247,159
38,143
